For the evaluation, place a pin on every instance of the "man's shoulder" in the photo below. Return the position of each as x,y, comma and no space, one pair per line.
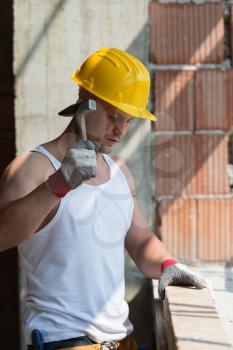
126,171
26,172
33,165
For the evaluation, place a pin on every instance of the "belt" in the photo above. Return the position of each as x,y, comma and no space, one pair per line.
80,343
38,343
98,346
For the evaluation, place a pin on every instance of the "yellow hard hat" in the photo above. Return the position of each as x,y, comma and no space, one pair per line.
118,78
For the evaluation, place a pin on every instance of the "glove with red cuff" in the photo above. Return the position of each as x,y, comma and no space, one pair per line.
78,165
175,274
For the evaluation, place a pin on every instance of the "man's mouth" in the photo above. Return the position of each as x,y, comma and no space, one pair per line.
111,141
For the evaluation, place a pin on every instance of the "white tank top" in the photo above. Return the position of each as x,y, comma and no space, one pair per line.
75,264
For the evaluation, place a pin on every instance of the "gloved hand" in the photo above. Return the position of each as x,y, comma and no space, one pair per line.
78,165
177,274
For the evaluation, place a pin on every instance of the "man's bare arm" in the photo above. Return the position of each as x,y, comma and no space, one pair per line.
147,251
25,200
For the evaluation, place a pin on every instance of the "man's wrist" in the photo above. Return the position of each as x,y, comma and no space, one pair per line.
166,263
58,185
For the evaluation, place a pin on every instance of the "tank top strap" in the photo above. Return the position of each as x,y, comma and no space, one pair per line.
53,160
115,169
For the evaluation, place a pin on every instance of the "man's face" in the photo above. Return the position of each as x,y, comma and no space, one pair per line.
107,125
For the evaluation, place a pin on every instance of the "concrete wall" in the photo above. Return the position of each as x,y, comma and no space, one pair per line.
51,39
51,42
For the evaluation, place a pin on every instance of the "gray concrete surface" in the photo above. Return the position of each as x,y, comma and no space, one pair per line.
220,277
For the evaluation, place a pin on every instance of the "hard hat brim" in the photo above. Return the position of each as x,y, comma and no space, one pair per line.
71,110
147,115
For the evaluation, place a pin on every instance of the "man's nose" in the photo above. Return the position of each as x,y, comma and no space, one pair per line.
120,127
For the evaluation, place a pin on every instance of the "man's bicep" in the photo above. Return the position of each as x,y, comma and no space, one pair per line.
16,182
11,188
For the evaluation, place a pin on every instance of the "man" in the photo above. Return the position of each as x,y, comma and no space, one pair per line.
71,210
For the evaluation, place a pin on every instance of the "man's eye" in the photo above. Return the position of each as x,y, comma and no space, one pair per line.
129,121
112,116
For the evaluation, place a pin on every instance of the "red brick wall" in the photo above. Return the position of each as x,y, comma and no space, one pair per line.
9,315
186,33
194,103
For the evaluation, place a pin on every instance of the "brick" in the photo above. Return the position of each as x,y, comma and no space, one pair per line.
185,100
175,166
197,228
174,100
211,90
186,165
211,160
186,33
214,227
178,222
192,320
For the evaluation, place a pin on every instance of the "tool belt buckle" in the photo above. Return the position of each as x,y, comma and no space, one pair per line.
108,345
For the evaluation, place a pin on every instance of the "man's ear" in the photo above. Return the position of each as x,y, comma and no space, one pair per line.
85,95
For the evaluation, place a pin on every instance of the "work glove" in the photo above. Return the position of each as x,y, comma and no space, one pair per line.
79,164
175,274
